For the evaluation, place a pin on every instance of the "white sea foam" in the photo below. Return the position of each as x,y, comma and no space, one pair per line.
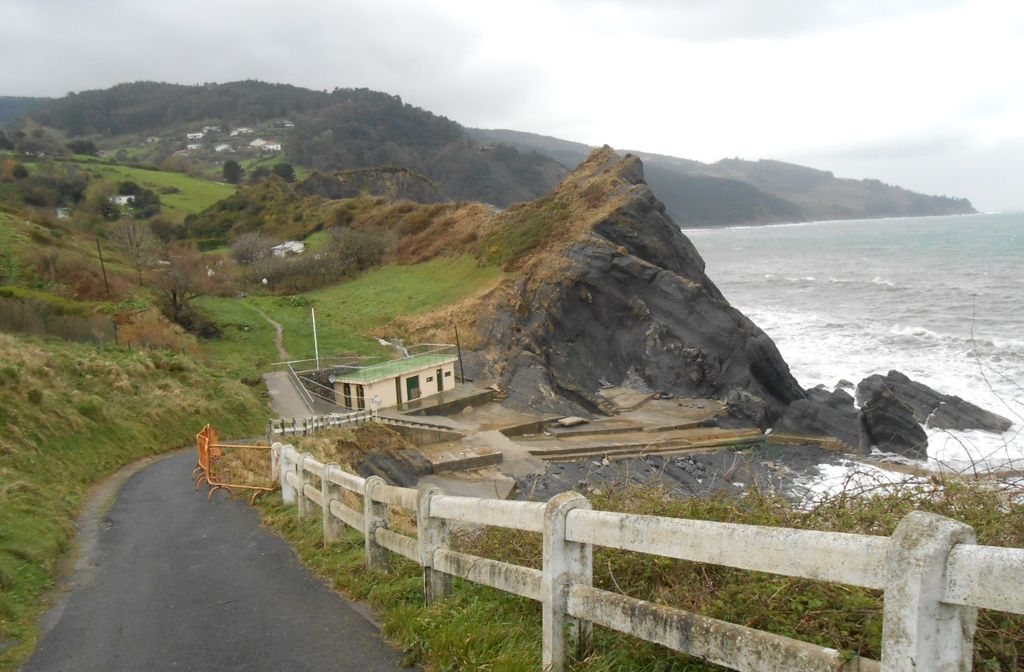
937,298
847,476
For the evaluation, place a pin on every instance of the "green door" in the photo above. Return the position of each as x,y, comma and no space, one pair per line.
439,374
412,387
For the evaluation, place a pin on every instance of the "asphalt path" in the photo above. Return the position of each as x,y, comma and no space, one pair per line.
175,583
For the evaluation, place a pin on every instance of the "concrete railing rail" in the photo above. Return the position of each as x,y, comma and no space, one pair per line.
308,426
932,573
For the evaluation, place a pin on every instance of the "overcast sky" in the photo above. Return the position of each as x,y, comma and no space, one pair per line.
926,94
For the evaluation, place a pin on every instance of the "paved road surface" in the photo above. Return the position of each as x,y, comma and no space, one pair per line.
284,398
179,584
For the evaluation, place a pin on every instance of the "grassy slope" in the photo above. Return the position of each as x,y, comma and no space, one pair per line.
195,194
345,312
69,415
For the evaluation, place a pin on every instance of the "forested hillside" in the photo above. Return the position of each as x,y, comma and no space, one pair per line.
341,129
12,107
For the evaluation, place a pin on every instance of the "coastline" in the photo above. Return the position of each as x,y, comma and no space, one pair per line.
735,227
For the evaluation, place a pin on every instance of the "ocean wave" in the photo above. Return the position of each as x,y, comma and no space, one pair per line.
789,278
976,345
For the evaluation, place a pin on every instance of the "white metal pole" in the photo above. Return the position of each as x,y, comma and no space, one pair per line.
316,347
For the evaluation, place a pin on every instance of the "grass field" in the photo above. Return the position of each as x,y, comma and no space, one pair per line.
69,415
194,194
345,313
246,348
12,239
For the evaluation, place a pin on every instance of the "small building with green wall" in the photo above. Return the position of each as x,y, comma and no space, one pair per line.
394,382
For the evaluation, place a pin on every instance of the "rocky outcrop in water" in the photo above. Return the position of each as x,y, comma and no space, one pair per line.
613,292
931,408
825,413
889,424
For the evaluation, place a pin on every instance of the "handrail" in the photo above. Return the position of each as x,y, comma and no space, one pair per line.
931,572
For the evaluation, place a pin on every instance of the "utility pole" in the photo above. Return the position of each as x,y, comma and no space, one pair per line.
103,266
316,346
458,347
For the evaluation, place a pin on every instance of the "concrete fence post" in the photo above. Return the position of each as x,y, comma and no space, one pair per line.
375,514
433,533
333,527
286,466
275,462
304,478
919,632
565,563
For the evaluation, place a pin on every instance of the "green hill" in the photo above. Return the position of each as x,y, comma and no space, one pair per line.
341,129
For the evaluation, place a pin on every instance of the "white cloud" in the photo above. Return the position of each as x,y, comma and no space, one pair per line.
891,87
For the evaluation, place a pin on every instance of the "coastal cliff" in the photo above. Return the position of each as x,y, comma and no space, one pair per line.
606,290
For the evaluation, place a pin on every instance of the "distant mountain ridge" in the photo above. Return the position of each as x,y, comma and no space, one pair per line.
735,191
348,129
12,107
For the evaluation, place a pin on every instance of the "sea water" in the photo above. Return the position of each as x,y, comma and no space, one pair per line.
939,298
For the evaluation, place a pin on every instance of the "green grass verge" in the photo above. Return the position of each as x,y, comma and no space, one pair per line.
480,628
70,415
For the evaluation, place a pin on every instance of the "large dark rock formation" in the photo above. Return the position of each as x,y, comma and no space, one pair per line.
616,294
889,424
932,408
825,413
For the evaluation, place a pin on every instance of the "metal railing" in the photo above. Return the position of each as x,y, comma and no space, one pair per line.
231,467
932,573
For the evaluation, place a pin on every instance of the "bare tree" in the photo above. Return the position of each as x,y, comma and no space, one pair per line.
137,241
183,277
249,248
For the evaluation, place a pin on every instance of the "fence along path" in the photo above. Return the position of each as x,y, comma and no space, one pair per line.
932,573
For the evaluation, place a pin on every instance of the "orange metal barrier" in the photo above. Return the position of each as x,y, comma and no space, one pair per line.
231,467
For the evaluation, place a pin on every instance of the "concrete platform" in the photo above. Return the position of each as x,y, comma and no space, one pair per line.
488,483
625,399
631,444
450,401
458,456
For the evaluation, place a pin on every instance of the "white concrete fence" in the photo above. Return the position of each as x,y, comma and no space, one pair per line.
933,575
316,423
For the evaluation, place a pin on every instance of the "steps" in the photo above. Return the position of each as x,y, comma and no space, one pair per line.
696,440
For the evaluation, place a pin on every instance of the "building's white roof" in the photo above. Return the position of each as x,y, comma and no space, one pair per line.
290,246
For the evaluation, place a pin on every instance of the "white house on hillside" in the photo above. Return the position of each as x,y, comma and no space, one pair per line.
258,142
241,130
195,136
222,148
271,147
